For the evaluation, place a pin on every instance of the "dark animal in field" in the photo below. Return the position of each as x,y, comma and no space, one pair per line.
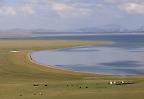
35,85
20,95
34,94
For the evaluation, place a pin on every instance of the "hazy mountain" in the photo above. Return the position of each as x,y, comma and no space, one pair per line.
90,29
23,31
112,28
106,28
15,31
141,29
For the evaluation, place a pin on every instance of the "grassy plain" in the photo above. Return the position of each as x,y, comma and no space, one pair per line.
18,75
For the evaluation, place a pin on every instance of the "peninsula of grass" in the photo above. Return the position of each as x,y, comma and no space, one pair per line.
21,78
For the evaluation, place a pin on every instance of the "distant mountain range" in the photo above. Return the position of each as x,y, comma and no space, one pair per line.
23,31
106,28
113,28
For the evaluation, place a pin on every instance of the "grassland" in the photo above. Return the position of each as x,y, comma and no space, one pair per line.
18,75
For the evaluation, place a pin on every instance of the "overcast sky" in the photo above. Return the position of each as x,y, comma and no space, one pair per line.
70,14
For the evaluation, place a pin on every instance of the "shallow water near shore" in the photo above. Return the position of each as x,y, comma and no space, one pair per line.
124,57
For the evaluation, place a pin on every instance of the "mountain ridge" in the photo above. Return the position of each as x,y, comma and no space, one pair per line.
112,28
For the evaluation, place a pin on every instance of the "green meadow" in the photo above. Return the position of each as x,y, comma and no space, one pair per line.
20,78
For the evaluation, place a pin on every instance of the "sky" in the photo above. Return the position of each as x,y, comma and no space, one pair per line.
70,14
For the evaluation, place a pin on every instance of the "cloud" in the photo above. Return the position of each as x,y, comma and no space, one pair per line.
7,11
27,9
134,8
61,8
64,8
13,11
69,8
73,9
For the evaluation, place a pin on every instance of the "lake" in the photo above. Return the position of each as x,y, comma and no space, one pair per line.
124,57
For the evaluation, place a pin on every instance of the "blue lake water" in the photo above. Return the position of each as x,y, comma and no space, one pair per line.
124,57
